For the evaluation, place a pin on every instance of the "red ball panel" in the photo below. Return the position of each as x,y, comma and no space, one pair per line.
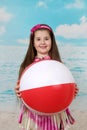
49,99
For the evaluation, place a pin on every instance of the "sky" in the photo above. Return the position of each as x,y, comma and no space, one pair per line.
68,19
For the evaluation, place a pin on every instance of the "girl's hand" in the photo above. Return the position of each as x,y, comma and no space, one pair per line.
76,90
17,90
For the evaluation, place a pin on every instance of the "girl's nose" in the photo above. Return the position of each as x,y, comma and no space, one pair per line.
43,41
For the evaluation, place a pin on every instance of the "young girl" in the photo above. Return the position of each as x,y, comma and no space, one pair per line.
42,47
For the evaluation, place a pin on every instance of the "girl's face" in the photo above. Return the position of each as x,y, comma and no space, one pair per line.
42,42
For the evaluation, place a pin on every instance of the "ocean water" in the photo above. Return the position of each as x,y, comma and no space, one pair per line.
74,57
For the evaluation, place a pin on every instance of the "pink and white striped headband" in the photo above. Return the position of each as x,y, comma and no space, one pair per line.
38,26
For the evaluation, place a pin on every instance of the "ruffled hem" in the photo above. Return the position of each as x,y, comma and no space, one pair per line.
30,120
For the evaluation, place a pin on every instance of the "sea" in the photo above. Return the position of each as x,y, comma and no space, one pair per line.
74,57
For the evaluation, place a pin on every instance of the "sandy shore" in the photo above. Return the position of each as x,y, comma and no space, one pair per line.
81,120
8,120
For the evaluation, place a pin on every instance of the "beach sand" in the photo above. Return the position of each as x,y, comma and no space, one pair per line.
8,120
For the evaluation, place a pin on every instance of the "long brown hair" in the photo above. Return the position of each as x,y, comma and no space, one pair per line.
31,52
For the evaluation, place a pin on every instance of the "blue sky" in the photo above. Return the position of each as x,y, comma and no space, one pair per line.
68,18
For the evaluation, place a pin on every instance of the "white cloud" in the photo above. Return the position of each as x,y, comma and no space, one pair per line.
2,30
83,19
76,4
23,41
41,4
74,31
4,16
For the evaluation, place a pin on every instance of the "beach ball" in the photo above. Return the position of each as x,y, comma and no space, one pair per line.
47,87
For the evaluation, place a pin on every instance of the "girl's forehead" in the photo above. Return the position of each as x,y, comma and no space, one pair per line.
41,32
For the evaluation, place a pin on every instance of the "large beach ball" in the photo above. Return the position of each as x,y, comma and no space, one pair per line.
47,87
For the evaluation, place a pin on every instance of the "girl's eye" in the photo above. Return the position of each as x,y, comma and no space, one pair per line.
38,39
46,38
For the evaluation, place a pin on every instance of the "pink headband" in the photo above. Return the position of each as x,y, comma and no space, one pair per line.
38,26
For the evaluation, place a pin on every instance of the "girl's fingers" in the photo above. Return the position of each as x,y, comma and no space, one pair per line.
17,91
76,90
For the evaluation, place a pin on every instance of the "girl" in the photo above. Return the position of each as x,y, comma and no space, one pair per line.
42,47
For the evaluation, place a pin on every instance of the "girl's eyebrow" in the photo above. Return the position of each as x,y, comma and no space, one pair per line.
37,37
